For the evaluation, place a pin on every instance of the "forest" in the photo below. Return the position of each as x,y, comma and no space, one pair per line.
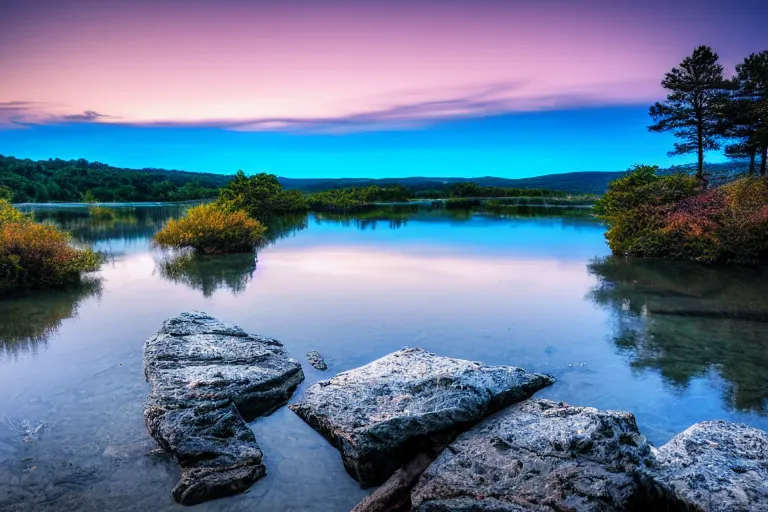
58,180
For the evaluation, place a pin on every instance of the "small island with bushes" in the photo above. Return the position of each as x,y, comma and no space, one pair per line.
38,256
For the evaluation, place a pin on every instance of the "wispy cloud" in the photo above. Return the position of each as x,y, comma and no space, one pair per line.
413,113
88,115
397,111
21,114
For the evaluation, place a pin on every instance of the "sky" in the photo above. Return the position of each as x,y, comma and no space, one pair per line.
313,88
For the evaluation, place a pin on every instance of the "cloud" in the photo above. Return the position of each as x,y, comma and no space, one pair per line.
397,111
88,115
23,114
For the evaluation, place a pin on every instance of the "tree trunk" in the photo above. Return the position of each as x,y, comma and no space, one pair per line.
700,141
763,160
752,157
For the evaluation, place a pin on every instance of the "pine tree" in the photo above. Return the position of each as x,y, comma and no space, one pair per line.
752,77
692,110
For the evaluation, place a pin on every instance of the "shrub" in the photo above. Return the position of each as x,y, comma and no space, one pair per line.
10,214
212,229
261,196
672,217
34,255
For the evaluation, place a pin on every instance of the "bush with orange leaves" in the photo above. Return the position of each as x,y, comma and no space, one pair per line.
212,229
34,255
671,217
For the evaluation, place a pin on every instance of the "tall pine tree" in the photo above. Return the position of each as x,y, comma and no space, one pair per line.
752,77
696,93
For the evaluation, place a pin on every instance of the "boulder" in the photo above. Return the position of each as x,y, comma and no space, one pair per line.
384,413
714,466
539,455
206,377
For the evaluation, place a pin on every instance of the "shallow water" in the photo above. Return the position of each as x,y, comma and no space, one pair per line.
673,343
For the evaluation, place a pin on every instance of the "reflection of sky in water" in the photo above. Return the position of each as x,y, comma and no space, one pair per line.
502,291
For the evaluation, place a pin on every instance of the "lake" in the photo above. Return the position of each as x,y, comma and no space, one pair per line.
673,343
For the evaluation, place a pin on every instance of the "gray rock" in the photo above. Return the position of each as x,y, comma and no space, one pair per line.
715,466
384,413
317,361
206,377
539,455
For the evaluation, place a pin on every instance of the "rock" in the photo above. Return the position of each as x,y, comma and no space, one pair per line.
206,377
394,495
317,361
384,413
539,455
714,466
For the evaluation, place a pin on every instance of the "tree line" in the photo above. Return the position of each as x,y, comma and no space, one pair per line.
706,110
73,180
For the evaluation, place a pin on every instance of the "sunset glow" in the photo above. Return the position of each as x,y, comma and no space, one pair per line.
342,66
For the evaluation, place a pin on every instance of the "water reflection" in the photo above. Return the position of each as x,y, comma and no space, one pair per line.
285,226
29,320
128,229
209,273
393,216
687,321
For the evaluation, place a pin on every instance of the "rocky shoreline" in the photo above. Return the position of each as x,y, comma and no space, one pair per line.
435,433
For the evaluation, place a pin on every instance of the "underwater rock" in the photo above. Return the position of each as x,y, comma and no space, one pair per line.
384,413
539,455
206,377
714,466
317,361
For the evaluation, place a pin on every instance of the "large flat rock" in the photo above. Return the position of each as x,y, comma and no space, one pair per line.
539,455
715,466
206,377
384,413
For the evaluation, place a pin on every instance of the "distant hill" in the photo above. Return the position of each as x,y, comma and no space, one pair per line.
68,180
572,182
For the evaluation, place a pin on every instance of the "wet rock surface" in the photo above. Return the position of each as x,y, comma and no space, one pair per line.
317,361
382,414
539,455
714,466
206,377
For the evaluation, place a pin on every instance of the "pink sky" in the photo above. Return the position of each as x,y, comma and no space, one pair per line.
266,65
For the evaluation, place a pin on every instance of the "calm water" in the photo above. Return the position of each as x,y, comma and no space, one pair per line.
673,343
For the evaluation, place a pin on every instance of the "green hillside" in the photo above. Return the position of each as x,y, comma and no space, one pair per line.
67,181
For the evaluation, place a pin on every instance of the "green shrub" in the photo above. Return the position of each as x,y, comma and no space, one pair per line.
261,196
34,255
10,214
672,217
212,229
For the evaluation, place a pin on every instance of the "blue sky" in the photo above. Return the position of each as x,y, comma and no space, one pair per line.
510,145
354,88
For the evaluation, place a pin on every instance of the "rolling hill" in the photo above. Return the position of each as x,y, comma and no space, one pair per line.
60,180
572,182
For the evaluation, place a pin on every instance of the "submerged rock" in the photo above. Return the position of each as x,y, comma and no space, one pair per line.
384,413
714,466
539,455
317,361
205,377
